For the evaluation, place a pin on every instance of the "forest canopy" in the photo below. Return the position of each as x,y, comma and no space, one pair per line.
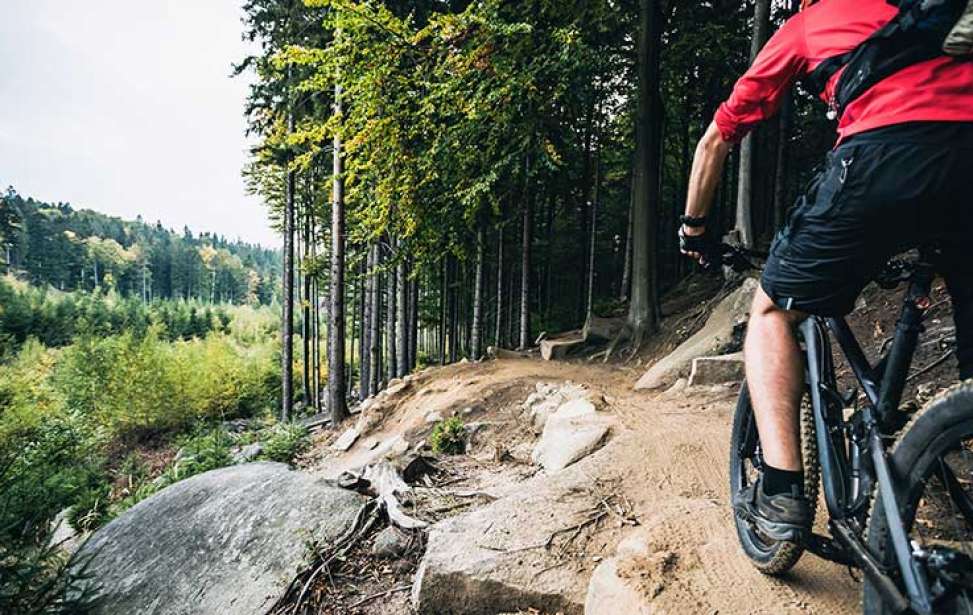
53,244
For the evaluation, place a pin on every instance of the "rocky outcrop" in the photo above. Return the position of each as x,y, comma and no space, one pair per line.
227,541
717,370
571,433
495,560
720,333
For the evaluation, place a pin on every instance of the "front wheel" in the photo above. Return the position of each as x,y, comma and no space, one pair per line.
771,557
933,465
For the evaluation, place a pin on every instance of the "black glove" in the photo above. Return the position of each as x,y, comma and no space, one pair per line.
703,246
699,244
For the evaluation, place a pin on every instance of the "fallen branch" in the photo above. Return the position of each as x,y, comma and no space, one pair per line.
932,365
380,595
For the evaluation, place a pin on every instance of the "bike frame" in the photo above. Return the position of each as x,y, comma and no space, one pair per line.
852,453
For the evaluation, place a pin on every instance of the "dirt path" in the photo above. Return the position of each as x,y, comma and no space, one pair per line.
676,476
673,470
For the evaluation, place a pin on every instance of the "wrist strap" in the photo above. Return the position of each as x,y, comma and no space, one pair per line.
692,222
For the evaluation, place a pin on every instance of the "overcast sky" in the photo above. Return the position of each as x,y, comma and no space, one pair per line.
126,107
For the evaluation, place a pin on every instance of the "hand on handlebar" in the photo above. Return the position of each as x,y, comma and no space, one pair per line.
712,256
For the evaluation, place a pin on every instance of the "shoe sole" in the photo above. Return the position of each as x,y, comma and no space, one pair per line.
775,530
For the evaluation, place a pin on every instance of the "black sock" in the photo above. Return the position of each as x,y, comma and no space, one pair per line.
777,481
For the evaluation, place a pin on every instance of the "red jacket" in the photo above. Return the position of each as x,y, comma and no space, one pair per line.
937,90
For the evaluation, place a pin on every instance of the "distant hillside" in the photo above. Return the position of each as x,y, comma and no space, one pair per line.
69,249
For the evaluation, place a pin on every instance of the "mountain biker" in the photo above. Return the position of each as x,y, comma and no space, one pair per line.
900,174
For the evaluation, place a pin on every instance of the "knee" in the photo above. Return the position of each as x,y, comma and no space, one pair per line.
765,311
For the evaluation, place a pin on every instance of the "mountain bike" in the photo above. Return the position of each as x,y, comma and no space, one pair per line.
897,486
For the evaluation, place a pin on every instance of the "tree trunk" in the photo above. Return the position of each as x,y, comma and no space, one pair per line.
477,332
443,290
414,306
402,320
287,327
525,261
590,302
336,315
392,339
627,266
306,312
497,338
744,213
374,336
643,307
364,347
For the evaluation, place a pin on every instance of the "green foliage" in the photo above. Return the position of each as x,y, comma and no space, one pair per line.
58,246
283,442
207,449
37,581
448,437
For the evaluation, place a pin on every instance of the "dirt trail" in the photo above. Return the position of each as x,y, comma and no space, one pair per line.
676,477
673,470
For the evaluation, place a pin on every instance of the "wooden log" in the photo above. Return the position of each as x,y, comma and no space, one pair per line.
552,350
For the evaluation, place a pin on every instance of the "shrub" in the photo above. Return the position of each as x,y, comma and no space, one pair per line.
448,437
284,442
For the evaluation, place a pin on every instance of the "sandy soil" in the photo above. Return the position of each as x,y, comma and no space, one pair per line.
674,472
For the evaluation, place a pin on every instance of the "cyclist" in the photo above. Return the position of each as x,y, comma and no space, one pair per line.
901,173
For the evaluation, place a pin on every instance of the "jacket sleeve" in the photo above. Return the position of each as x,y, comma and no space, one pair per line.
758,94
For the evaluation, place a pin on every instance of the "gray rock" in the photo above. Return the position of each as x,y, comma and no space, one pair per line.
64,537
346,440
571,433
480,563
248,453
717,370
227,541
433,417
717,336
391,543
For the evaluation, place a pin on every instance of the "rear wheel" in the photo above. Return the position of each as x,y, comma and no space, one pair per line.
772,557
933,461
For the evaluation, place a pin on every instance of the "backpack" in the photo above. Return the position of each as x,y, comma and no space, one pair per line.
922,30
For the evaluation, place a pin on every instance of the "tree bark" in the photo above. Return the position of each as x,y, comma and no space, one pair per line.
525,260
336,314
402,319
643,307
590,300
365,346
306,311
477,331
497,337
627,265
744,212
392,339
443,290
287,327
374,349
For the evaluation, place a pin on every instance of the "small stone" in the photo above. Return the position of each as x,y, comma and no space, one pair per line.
391,543
248,453
346,440
433,417
466,411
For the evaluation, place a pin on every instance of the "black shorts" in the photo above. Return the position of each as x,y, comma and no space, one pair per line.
879,194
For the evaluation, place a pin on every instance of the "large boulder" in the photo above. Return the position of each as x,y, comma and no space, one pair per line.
494,560
718,335
570,434
227,541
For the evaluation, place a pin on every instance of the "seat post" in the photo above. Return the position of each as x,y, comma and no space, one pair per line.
906,337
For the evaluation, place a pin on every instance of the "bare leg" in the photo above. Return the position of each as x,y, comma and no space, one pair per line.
775,374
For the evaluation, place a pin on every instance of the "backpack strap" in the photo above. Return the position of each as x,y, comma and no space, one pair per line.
877,57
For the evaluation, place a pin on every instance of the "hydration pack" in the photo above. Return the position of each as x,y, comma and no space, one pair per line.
922,30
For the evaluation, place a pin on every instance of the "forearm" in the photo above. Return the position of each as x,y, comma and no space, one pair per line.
708,163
